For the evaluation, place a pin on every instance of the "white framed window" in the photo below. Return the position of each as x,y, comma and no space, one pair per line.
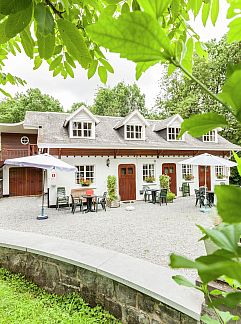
85,172
221,172
82,129
24,140
148,171
187,172
210,136
134,132
172,134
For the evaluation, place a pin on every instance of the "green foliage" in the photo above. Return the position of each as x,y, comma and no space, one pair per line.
164,182
119,101
24,302
228,203
135,39
198,125
76,106
170,196
111,188
13,110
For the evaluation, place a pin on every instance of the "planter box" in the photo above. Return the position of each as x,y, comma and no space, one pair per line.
113,204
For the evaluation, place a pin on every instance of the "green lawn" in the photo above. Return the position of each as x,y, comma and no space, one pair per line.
24,302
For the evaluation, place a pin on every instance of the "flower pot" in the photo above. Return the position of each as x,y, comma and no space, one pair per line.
113,203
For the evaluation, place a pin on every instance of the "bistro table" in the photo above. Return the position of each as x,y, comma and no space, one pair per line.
89,203
153,195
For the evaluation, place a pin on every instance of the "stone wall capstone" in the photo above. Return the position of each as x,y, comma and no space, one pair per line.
125,303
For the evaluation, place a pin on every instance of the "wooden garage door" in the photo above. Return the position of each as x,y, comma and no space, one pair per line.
25,181
127,182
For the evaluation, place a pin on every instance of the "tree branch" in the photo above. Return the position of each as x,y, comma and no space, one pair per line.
192,77
56,11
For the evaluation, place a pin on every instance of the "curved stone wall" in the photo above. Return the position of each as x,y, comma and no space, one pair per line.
133,290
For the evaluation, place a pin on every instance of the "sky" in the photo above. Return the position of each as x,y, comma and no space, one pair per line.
81,89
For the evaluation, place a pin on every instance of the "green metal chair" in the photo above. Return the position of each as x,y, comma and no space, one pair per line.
163,196
62,199
185,189
100,200
77,202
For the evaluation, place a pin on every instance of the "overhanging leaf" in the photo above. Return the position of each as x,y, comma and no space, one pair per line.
187,59
141,67
198,125
154,8
15,23
8,7
44,18
74,42
92,69
234,33
228,203
231,93
136,36
205,12
227,237
212,267
27,42
46,45
182,281
178,261
214,11
238,160
102,74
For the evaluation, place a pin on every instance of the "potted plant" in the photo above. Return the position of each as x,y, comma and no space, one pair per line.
85,183
165,184
188,177
150,179
220,176
112,199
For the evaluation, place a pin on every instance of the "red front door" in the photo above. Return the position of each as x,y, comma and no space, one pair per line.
127,181
201,171
170,170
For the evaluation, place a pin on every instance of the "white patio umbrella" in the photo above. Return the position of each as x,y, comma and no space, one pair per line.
206,159
41,161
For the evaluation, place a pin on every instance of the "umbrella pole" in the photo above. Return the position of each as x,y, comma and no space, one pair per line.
42,215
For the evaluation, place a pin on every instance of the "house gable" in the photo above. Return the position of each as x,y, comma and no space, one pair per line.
81,124
133,125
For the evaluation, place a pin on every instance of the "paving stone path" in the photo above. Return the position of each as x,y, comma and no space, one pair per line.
150,231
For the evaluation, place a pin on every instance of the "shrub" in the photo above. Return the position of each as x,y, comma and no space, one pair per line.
170,196
165,181
111,188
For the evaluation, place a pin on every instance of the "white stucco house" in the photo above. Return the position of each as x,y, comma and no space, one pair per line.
132,148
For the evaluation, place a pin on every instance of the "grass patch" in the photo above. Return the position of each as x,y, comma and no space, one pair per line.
24,302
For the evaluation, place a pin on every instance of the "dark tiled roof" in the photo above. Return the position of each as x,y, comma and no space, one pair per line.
53,133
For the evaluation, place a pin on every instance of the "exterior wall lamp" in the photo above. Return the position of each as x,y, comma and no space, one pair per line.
108,162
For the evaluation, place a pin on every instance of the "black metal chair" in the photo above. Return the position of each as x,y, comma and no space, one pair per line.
77,202
100,200
185,189
200,197
163,196
62,199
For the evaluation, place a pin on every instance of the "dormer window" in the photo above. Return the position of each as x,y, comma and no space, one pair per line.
134,132
172,133
210,136
82,129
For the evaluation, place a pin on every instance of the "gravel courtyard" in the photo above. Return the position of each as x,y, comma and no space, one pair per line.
150,232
